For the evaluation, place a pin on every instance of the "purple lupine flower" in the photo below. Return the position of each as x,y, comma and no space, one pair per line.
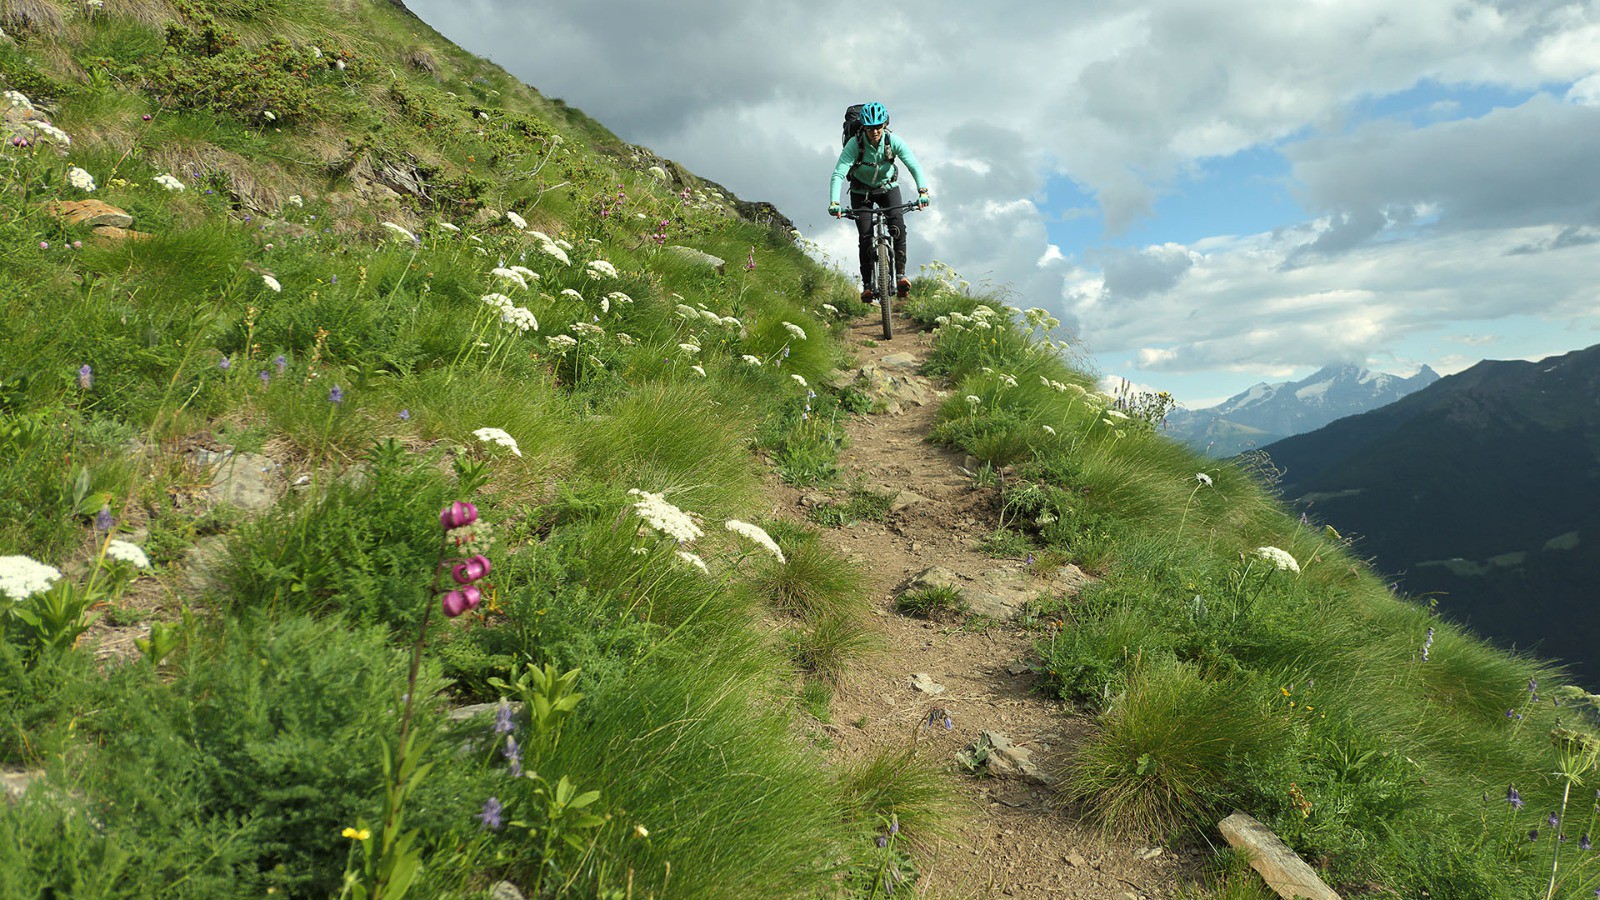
281,362
225,364
490,817
1514,798
336,395
85,376
1583,843
103,520
503,723
265,376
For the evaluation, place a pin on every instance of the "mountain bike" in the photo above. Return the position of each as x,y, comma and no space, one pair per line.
883,256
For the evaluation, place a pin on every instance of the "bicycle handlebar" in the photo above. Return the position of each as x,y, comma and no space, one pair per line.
857,212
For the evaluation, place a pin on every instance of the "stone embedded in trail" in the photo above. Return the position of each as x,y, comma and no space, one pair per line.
1004,758
900,361
905,499
1001,592
92,213
895,390
923,682
1285,872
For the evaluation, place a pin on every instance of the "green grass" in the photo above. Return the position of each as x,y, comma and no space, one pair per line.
1214,682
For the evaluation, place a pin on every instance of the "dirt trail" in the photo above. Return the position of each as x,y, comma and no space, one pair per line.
1013,839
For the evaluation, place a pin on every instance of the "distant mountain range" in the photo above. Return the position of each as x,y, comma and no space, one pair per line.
1482,489
1270,412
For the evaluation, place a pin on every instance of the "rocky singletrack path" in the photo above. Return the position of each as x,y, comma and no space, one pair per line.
1011,836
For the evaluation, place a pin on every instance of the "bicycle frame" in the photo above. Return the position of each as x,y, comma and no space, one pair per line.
883,255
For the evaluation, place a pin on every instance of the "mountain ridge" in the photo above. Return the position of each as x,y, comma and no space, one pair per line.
1264,412
1480,489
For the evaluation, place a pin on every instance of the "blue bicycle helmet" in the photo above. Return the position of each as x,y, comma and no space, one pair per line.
873,115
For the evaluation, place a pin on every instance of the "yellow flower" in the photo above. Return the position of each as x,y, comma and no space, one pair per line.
355,835
641,831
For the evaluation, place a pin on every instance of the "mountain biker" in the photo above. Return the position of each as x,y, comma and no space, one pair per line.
868,163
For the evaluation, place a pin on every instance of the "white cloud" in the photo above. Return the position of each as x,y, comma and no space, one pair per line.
1406,225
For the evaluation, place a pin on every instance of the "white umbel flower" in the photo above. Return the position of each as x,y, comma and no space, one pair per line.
22,577
80,179
600,268
664,517
498,437
795,330
516,220
168,182
509,275
1280,559
124,551
757,534
272,283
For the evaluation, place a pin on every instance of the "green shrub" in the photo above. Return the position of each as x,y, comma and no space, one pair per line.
364,546
238,776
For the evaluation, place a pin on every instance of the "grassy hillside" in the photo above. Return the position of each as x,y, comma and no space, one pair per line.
400,281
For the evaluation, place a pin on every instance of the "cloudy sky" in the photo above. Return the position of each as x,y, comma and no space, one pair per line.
1207,193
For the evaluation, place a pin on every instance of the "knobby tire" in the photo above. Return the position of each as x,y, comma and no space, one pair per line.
885,286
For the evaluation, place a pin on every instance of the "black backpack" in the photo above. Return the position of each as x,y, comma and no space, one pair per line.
852,129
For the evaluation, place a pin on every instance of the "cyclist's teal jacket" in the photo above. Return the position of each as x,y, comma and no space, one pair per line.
868,164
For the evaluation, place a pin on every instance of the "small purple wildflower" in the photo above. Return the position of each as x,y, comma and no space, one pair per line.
405,415
225,364
490,817
333,279
513,755
281,362
85,376
1583,843
1514,798
1533,834
103,520
336,395
265,376
502,719
882,841
1553,820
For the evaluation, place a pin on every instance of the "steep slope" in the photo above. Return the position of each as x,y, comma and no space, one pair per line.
1482,489
1269,412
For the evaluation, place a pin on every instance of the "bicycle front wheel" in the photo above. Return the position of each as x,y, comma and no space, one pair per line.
883,279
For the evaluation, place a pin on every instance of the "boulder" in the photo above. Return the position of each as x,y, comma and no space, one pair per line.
91,213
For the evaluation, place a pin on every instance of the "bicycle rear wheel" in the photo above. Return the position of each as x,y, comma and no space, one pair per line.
883,281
